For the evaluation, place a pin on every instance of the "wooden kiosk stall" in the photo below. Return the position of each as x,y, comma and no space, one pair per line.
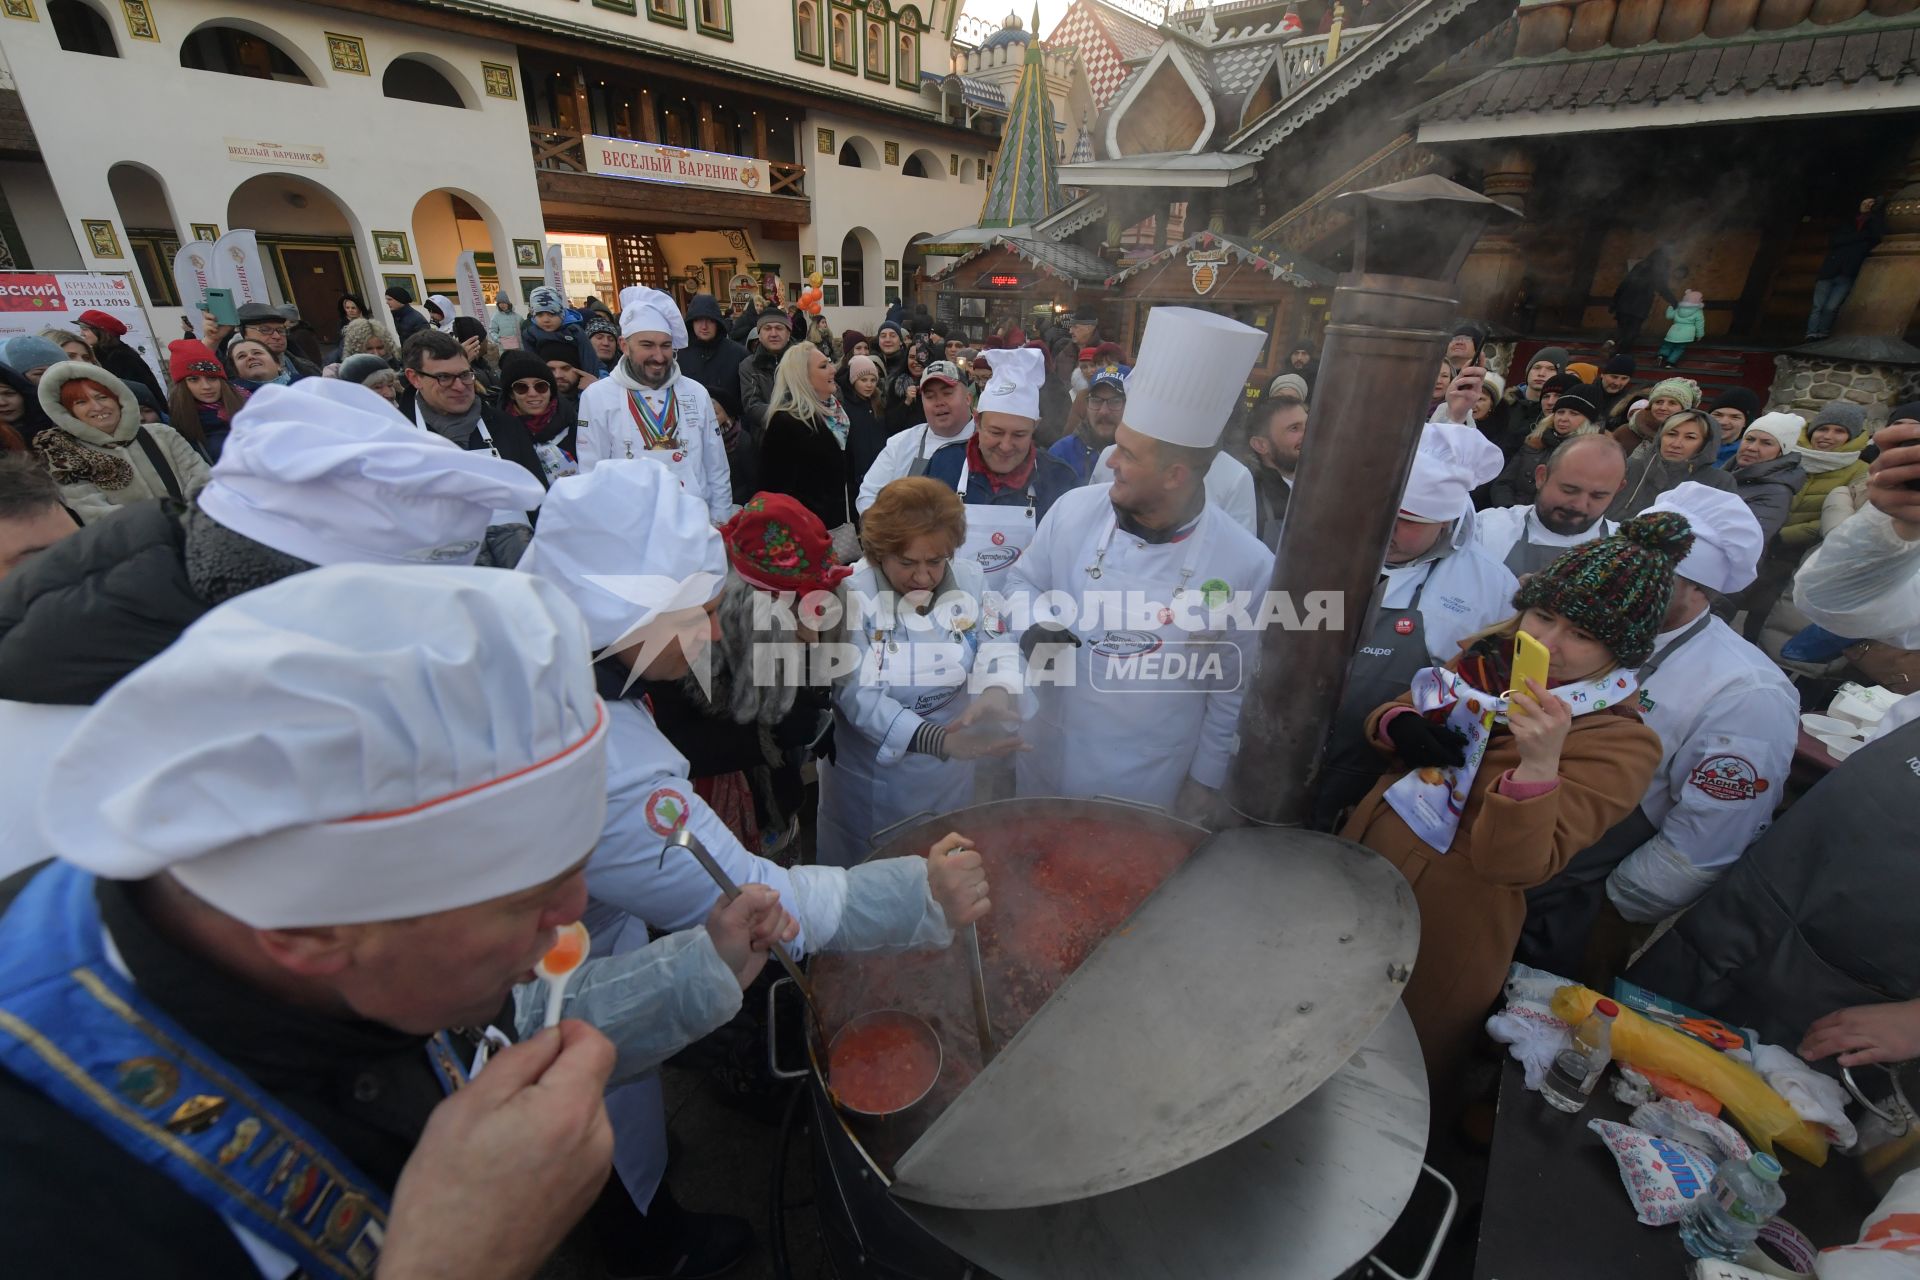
1008,279
1282,293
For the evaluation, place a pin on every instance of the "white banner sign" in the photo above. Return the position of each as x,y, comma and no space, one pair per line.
650,162
557,270
34,300
293,155
236,266
193,271
466,278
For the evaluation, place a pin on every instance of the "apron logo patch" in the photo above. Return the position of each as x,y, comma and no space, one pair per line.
999,539
1403,626
1215,592
928,703
666,811
1728,778
1166,616
1124,644
994,559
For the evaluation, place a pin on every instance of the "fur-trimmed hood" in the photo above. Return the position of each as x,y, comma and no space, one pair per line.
71,371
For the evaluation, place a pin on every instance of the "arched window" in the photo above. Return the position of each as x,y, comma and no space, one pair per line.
806,30
908,69
853,272
842,41
412,80
848,156
234,52
80,29
876,50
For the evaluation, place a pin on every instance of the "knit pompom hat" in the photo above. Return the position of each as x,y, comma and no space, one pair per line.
1616,589
1685,390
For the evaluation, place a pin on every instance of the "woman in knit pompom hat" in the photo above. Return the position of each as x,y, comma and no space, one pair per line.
1514,802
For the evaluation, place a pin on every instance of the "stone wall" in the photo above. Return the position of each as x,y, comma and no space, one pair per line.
1806,384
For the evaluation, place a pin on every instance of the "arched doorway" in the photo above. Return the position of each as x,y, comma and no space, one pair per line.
446,224
308,242
140,198
860,257
913,269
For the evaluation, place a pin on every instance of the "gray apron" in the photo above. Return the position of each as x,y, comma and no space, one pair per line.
921,457
1393,649
1561,912
1529,556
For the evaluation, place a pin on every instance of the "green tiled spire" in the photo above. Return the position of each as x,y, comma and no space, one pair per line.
1026,185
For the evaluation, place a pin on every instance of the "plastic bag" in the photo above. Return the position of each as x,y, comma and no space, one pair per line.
1889,1247
1662,1178
1764,1115
1687,1124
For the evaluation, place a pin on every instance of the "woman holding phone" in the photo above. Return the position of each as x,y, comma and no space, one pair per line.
1489,795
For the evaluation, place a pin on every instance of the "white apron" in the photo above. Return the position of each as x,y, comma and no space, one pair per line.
1126,728
919,664
997,536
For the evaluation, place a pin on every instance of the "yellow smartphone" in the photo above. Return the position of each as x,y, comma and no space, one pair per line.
1530,660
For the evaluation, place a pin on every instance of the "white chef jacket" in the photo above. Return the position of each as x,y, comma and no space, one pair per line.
1462,590
1496,529
1863,581
1229,486
897,456
32,732
1728,721
607,430
1090,741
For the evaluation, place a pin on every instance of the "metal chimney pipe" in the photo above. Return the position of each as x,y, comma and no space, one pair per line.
1386,333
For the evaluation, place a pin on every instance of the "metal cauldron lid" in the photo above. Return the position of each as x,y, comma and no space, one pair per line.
1236,990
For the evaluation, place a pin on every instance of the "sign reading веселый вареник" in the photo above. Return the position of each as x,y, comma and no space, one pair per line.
651,162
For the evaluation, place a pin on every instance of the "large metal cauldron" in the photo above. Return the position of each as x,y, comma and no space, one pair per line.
1201,1066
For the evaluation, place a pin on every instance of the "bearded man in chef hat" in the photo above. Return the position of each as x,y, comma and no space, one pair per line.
345,815
644,408
1728,721
1162,733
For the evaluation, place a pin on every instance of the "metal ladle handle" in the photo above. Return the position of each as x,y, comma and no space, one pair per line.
685,839
1901,1119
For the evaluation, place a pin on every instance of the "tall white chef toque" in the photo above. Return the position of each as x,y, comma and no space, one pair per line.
1727,540
644,310
1015,385
627,544
358,743
1451,462
328,471
1192,371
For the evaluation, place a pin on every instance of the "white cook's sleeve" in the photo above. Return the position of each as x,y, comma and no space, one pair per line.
626,869
1863,582
1220,722
1726,782
651,1002
869,710
594,443
889,907
892,463
717,475
1236,499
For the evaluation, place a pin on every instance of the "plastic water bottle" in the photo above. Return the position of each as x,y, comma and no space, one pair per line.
1725,1222
1577,1068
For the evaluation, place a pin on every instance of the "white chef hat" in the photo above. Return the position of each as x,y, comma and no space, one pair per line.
1727,540
1783,427
1451,462
1192,371
328,471
627,543
644,310
358,743
1015,385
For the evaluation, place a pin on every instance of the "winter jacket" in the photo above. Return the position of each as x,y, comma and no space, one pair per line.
125,363
804,460
99,471
1768,489
1051,478
1850,243
866,436
408,321
1638,430
1841,503
1515,486
1649,475
1826,471
1644,279
1689,322
1473,897
1497,427
714,365
756,387
511,439
504,325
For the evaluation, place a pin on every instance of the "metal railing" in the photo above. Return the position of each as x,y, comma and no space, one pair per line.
560,151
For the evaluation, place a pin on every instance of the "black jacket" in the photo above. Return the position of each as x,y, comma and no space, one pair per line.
866,437
124,363
90,608
407,321
510,435
716,366
756,388
1645,279
1849,245
808,463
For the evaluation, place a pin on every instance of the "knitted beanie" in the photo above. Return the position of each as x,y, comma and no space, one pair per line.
1558,357
1737,398
358,368
1840,413
1908,412
1616,589
1622,363
1685,390
1561,382
192,358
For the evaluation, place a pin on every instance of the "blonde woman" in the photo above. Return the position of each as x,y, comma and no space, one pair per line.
804,449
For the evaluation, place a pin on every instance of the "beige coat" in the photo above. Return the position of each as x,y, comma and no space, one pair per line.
1473,898
88,498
